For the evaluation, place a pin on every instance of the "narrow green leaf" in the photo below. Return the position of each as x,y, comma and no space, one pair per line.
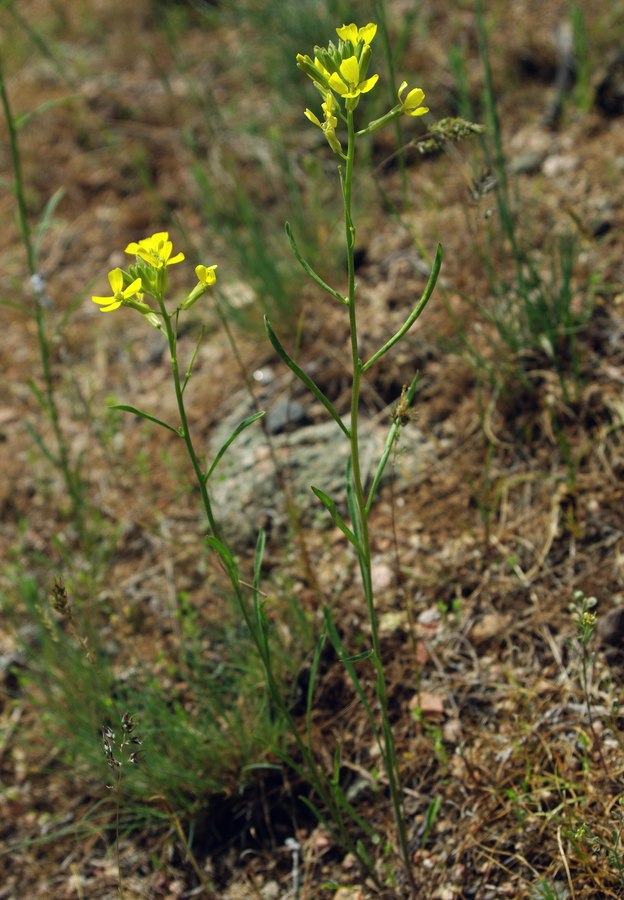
226,558
430,817
344,804
46,219
390,441
39,395
42,445
324,820
359,690
335,781
337,519
365,855
257,567
11,304
144,415
316,660
262,621
431,283
352,504
365,654
21,121
308,268
189,368
239,428
302,376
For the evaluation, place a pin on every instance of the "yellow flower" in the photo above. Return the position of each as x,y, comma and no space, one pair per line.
411,105
346,81
205,278
206,275
355,35
155,250
120,293
328,127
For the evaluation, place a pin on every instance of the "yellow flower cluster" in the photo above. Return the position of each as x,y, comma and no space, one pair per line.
343,71
154,254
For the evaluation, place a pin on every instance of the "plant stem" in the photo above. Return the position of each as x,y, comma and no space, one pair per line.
62,460
172,340
315,777
361,527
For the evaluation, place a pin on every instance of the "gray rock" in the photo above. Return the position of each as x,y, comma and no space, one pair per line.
245,487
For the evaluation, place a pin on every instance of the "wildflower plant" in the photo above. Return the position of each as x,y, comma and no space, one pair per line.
585,620
340,72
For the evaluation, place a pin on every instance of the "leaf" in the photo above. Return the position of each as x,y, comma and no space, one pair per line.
365,654
46,219
21,121
337,519
431,283
144,415
308,268
189,369
390,441
239,428
302,376
257,568
226,558
352,504
338,646
39,395
42,445
316,661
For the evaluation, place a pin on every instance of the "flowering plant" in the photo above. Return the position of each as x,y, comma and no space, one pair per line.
341,70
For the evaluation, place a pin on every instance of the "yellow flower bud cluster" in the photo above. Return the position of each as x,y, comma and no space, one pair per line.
342,71
148,276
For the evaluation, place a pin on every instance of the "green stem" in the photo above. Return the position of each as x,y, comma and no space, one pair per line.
364,552
172,340
72,478
316,778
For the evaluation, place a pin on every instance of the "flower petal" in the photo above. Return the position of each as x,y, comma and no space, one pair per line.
414,98
133,288
206,274
348,33
350,70
368,32
417,112
338,84
368,85
108,304
115,279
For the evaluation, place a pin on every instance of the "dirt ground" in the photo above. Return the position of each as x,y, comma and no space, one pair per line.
477,552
